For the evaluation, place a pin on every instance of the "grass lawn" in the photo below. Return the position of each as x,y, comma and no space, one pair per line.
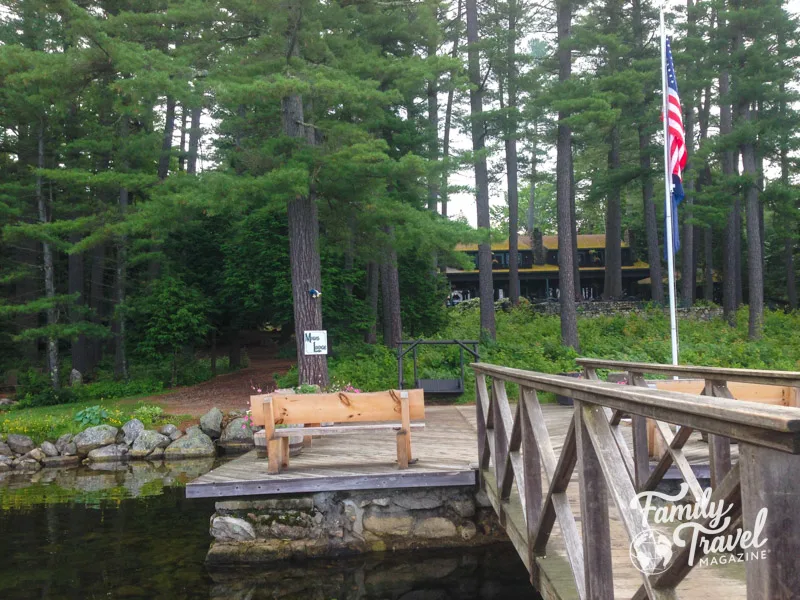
49,422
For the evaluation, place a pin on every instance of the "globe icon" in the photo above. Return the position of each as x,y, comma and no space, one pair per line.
650,552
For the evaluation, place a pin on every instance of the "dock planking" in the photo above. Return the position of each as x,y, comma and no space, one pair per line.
445,449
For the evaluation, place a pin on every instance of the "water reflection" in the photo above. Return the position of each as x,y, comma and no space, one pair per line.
485,573
131,533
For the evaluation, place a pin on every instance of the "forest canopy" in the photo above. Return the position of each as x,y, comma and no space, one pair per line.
175,172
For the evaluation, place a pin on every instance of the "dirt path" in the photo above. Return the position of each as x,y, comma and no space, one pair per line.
227,392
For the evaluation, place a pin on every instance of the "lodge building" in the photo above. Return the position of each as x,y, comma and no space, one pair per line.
538,269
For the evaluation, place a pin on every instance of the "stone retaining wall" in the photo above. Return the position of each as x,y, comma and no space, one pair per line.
342,523
614,309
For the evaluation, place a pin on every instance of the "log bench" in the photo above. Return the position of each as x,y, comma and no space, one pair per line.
379,411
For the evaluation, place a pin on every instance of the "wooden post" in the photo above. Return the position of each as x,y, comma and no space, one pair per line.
719,448
274,446
594,515
532,466
639,431
285,453
500,453
402,449
404,457
769,480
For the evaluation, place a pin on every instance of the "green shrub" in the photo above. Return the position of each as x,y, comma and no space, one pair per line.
109,390
91,416
149,414
47,397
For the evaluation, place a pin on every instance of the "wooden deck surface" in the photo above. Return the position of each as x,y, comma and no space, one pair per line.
446,449
447,453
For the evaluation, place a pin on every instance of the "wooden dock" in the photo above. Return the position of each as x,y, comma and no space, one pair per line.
446,450
448,455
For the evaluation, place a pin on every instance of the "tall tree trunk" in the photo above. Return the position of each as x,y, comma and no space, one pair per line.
166,142
49,269
729,304
120,281
194,140
390,296
688,271
511,158
612,287
433,127
788,218
213,351
96,297
349,254
306,275
755,273
566,273
182,153
75,285
304,256
235,350
738,252
448,115
532,195
373,286
573,217
708,264
791,286
26,289
645,165
485,282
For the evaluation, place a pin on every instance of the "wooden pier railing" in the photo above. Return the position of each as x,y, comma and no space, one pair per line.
716,385
515,451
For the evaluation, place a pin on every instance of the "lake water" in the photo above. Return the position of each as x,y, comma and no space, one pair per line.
125,535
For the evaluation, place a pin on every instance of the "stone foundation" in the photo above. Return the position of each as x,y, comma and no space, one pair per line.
345,523
625,308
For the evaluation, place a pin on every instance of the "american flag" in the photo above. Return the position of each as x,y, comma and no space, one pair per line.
676,144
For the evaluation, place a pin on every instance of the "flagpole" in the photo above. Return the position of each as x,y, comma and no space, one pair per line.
673,321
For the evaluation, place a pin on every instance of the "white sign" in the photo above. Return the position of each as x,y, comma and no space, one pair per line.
315,342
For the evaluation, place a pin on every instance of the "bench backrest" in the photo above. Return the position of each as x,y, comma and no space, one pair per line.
777,395
337,407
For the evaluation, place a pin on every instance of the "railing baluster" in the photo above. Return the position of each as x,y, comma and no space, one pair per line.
500,437
719,448
594,515
483,406
641,455
532,467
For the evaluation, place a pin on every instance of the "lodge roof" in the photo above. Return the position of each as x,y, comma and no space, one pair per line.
550,242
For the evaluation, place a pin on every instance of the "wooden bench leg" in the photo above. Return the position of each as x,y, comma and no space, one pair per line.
285,453
307,438
404,437
402,449
275,456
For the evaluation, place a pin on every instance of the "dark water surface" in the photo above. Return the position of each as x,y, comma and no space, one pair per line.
103,543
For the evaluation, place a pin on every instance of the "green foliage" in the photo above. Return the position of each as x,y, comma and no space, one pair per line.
306,389
149,414
529,341
47,397
91,416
